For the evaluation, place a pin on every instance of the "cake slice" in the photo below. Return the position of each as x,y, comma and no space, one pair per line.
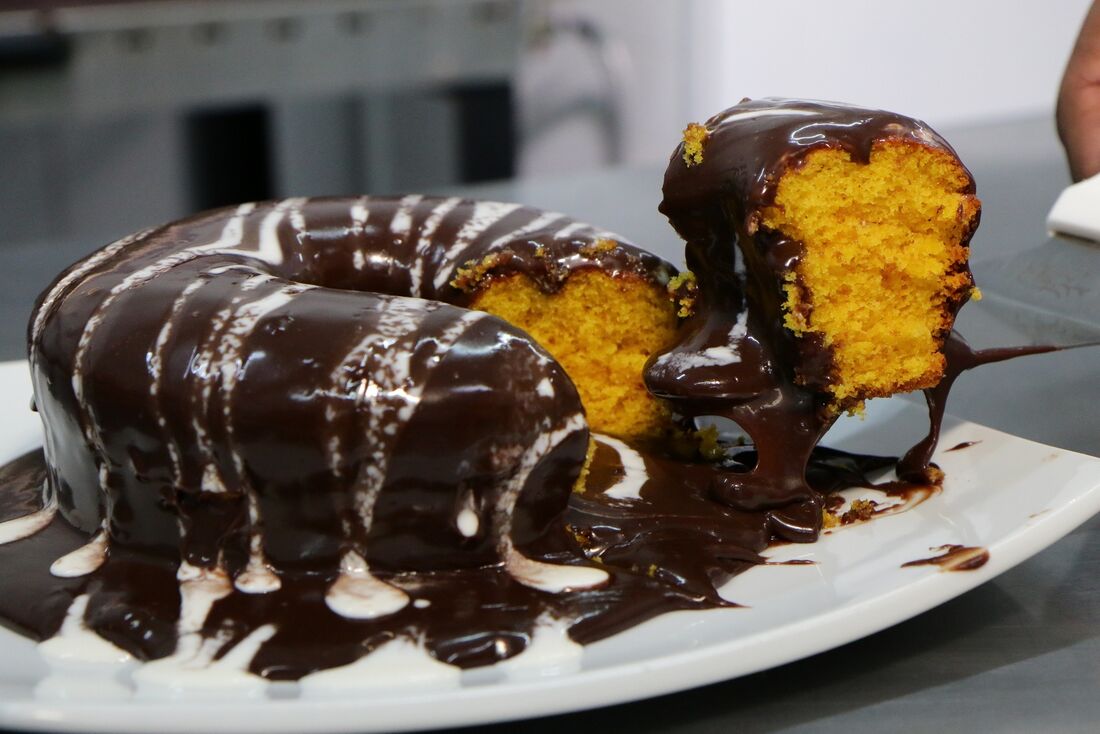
884,263
600,320
846,226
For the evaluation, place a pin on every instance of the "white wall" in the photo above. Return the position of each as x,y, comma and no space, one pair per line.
949,62
648,59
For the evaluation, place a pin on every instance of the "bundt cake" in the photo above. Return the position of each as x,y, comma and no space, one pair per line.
205,384
278,438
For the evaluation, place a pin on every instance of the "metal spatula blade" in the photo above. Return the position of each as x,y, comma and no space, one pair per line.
1076,212
1049,294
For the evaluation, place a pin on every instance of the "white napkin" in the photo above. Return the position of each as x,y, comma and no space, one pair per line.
1077,211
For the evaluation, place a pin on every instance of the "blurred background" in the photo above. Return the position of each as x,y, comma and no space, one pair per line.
115,115
119,114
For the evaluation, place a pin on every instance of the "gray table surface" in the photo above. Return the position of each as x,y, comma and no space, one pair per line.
1020,653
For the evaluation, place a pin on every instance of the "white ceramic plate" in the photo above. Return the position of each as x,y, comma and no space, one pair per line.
1003,493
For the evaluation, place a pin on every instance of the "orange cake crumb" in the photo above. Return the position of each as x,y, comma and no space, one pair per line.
695,135
882,265
684,290
582,479
858,511
602,328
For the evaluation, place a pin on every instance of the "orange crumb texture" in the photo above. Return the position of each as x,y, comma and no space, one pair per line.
695,135
602,329
684,291
582,479
858,511
883,264
708,444
599,247
468,277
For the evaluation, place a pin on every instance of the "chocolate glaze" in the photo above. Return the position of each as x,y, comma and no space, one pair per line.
291,388
961,357
225,385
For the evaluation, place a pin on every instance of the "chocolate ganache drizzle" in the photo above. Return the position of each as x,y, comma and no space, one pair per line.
275,436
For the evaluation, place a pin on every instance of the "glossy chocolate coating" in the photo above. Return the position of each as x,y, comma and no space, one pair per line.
751,145
271,374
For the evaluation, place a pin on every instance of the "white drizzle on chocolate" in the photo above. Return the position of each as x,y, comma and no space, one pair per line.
357,594
634,477
84,560
24,526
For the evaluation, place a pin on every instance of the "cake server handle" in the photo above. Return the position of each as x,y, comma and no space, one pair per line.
1076,211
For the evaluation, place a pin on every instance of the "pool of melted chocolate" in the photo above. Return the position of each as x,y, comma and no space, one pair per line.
669,542
670,548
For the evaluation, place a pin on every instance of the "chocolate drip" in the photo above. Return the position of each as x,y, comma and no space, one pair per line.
916,465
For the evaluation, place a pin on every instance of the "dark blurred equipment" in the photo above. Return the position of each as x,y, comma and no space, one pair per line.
230,158
115,115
